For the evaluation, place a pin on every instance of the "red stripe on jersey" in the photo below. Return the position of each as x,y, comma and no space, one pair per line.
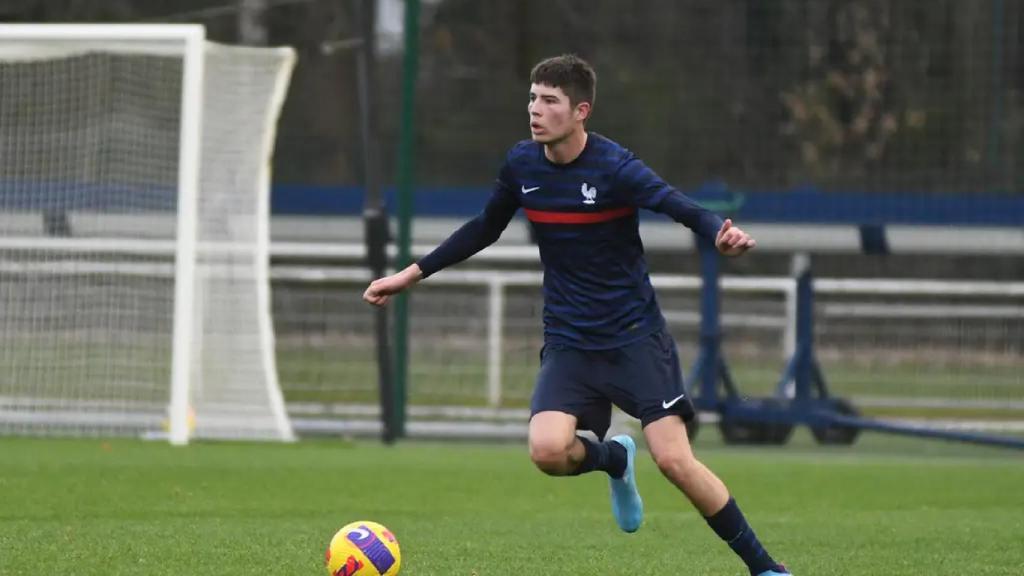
546,217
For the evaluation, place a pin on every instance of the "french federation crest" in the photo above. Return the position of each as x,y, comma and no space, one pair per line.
589,193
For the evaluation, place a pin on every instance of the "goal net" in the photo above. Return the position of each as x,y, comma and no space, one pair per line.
134,214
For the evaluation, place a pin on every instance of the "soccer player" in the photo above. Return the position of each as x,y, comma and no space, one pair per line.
605,340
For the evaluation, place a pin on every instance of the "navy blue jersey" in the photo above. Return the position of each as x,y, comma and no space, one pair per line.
597,293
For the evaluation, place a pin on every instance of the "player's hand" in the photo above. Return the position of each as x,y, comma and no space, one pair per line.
381,290
731,241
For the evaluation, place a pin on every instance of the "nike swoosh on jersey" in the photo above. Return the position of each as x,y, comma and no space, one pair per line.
672,402
528,190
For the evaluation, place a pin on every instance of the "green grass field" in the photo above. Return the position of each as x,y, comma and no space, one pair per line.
889,506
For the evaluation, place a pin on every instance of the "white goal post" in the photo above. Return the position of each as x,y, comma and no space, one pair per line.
123,143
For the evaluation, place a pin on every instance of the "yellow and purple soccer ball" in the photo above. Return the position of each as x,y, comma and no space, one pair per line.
363,548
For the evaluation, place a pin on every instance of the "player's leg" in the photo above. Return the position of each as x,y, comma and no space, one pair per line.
670,448
649,385
554,448
557,451
671,451
562,403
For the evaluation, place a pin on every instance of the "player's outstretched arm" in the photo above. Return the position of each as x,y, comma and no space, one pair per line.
732,241
647,190
471,238
381,290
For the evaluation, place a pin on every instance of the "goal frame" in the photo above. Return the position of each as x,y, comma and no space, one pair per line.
188,41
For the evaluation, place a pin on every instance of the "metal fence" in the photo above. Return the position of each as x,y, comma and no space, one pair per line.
947,350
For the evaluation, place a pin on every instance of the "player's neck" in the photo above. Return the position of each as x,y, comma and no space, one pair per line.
567,149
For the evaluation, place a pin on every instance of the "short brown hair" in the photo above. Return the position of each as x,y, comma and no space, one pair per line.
572,74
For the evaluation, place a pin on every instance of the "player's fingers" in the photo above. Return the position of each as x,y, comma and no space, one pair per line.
733,237
378,300
744,237
725,228
734,245
372,294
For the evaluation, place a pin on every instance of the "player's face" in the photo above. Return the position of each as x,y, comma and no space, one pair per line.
552,116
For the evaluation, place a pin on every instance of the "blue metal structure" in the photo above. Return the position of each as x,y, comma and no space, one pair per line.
807,401
710,369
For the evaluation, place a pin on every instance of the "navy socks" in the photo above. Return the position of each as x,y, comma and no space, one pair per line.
731,526
609,457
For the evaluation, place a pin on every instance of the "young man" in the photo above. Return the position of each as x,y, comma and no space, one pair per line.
605,340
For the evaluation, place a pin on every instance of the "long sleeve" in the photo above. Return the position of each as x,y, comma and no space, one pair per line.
641,187
684,210
475,235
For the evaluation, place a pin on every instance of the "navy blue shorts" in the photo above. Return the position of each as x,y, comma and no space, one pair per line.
643,379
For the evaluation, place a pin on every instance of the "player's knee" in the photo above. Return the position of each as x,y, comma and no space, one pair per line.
677,464
551,456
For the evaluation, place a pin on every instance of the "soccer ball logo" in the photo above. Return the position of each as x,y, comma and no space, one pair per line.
363,549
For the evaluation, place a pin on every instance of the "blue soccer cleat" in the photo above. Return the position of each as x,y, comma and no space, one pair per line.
626,503
776,573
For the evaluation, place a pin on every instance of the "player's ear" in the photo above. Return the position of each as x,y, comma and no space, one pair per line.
583,110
